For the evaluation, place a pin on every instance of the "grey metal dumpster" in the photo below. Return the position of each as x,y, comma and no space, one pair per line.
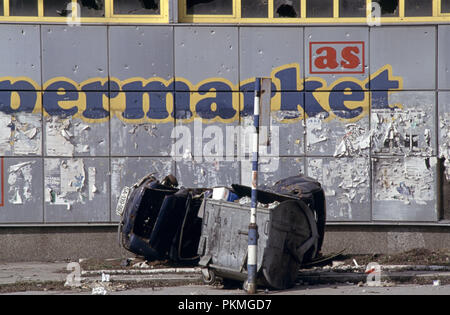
286,233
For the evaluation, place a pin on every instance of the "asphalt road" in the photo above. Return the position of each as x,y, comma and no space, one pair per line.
199,290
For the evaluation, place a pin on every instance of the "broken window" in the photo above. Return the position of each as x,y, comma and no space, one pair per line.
445,6
92,8
150,7
286,8
23,8
57,7
319,8
388,7
418,7
209,7
254,8
352,8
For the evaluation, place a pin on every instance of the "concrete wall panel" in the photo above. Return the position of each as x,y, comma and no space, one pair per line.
203,52
21,190
20,133
335,52
76,190
411,52
404,189
209,172
133,132
127,171
20,53
272,169
444,131
141,51
206,124
65,53
265,49
407,129
74,137
443,60
346,182
341,131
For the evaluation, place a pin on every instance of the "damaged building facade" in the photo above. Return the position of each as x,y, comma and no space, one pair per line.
92,91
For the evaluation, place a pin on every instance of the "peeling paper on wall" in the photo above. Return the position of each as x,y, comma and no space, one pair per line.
120,169
209,174
356,141
352,140
20,134
444,143
19,181
58,137
65,182
72,176
316,133
91,180
345,181
408,180
66,137
402,132
5,133
148,128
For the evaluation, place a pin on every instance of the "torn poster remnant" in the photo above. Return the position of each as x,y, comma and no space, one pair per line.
91,180
20,134
402,131
65,182
125,171
58,137
444,142
19,181
336,138
356,141
346,185
67,136
409,179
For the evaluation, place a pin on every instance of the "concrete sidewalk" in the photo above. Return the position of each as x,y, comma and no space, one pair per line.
11,273
36,276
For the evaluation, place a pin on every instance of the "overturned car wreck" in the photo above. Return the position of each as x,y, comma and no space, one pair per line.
209,226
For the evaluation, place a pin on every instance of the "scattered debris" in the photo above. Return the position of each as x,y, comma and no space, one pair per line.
126,262
99,291
141,265
337,263
105,277
245,201
418,256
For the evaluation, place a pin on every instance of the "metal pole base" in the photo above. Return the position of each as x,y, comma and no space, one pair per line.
251,289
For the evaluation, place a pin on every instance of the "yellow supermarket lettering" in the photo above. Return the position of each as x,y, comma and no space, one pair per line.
155,100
